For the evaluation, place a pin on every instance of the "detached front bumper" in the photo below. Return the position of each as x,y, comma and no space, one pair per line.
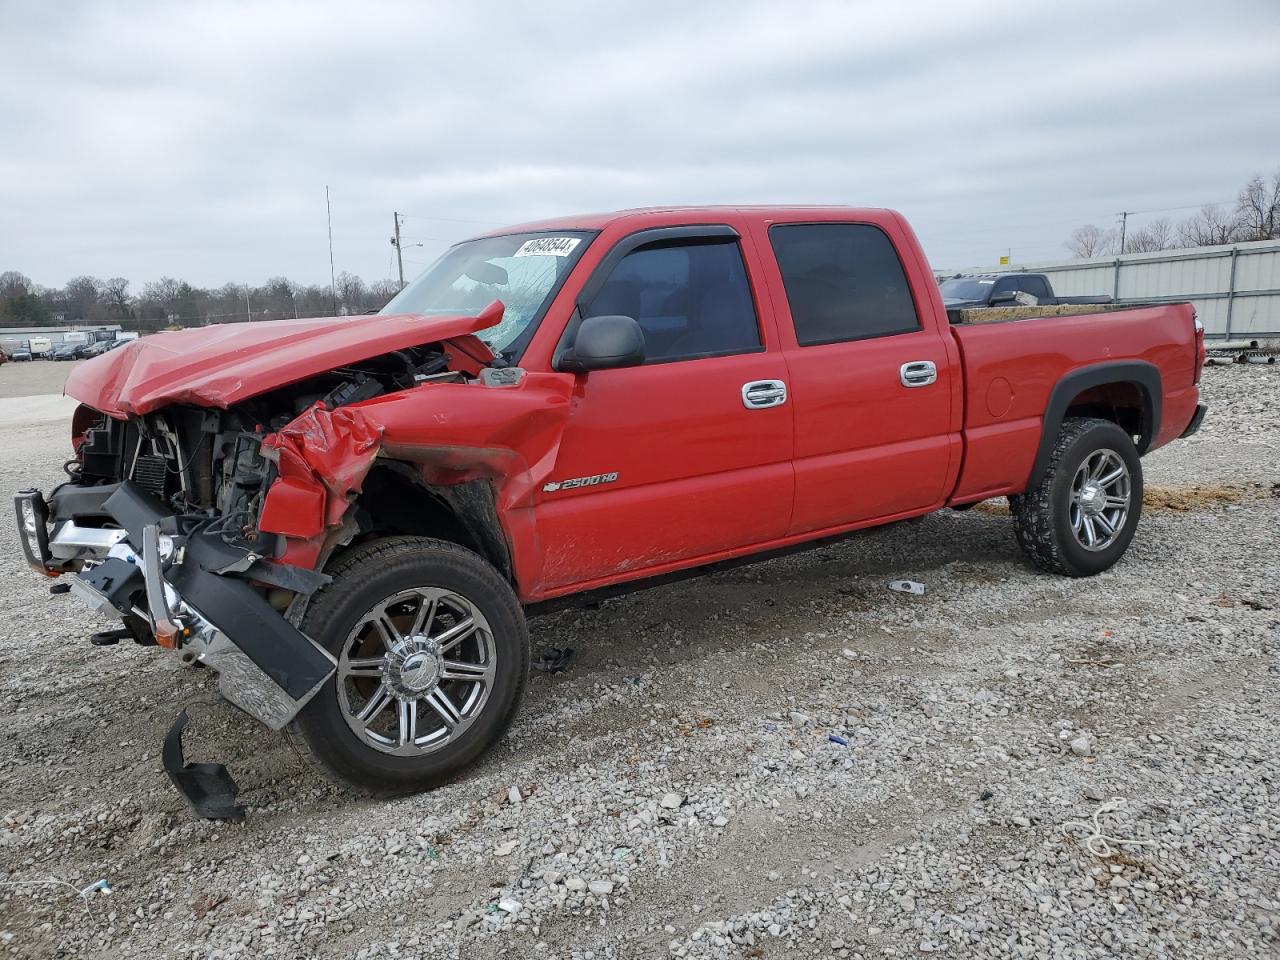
195,592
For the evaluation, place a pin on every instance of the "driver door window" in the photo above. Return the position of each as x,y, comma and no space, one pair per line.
690,299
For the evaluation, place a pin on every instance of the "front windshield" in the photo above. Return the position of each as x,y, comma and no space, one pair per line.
523,270
965,288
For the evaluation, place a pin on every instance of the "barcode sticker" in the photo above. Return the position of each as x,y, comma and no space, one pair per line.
548,247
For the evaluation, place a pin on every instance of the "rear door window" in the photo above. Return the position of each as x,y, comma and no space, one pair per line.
1037,287
844,281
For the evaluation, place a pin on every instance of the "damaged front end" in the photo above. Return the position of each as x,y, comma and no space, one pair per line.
203,529
176,580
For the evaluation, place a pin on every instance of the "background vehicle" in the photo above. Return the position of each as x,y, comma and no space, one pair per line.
69,351
22,353
349,519
1002,290
97,348
40,346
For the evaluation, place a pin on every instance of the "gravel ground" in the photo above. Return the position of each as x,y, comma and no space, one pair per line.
1022,765
32,377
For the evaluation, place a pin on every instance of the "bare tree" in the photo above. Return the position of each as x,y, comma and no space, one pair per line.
162,291
1156,235
1212,225
115,292
1092,240
352,293
1258,209
381,291
14,284
82,300
278,296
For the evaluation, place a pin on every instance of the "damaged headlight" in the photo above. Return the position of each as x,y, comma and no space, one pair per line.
32,530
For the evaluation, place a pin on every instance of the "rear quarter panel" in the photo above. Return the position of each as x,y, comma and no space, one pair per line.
1011,368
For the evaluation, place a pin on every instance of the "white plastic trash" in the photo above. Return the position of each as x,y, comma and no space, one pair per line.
907,586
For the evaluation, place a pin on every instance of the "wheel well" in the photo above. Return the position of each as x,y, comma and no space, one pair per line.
395,500
1126,392
1124,404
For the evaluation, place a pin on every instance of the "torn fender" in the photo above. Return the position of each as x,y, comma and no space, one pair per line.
330,449
450,432
322,458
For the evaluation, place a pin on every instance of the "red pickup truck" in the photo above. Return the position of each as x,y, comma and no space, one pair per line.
348,518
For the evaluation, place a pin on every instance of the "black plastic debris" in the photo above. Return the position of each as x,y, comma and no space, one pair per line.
208,787
553,659
108,638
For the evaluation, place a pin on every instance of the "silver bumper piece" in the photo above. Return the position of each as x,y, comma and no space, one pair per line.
240,680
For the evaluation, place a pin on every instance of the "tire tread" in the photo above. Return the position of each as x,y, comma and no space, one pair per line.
385,552
1033,511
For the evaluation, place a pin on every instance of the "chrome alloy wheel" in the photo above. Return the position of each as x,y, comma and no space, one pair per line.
416,671
1099,505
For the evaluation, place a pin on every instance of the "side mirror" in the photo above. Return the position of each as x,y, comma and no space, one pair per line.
603,343
1004,296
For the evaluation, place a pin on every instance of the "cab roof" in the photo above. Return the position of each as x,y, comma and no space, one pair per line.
640,217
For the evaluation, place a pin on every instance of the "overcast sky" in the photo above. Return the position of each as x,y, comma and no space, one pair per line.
195,140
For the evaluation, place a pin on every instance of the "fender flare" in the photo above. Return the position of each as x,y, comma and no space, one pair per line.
1146,376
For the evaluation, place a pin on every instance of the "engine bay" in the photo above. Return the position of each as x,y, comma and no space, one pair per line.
207,466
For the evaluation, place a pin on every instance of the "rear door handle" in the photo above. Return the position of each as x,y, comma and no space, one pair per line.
918,373
759,394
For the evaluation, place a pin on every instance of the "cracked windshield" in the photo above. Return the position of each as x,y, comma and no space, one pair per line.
523,270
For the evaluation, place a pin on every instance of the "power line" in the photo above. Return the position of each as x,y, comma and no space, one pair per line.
992,228
1188,206
477,223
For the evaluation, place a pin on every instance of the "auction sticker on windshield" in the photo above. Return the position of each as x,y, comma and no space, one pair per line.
548,247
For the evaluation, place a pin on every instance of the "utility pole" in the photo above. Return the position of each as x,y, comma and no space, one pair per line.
248,313
395,242
1124,222
333,283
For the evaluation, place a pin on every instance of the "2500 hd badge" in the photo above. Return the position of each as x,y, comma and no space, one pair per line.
592,481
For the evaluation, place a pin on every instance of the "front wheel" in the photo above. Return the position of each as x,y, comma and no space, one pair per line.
1081,517
433,654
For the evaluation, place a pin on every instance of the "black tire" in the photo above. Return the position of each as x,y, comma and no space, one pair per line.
1042,516
364,577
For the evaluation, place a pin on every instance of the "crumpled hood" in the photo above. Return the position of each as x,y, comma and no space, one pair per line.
221,365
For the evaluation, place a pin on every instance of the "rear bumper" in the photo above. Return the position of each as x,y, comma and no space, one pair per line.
189,586
1196,419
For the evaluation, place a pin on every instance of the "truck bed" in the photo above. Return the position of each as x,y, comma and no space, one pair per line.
1012,364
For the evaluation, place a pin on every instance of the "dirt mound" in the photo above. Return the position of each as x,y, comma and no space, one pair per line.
1184,499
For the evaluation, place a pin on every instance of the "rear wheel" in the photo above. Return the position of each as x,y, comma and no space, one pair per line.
1081,517
432,654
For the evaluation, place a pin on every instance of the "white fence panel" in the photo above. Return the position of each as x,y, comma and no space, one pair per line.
1235,288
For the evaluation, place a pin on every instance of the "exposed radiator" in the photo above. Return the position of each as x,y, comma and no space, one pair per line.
149,472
